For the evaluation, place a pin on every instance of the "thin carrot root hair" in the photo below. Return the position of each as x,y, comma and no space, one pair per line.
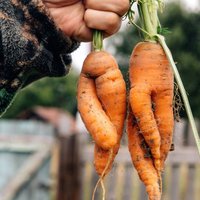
177,103
160,181
100,180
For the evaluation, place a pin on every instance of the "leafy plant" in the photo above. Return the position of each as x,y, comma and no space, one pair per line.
51,92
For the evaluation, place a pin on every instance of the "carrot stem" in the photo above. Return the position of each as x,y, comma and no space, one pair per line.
97,40
161,40
148,15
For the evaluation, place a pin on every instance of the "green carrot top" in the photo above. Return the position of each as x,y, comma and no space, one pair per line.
148,16
97,40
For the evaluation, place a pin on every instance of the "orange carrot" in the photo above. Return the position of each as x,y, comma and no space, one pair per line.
111,91
151,97
142,160
102,74
94,117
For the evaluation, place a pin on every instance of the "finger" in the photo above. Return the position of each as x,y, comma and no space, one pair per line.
165,121
59,3
119,7
108,22
83,34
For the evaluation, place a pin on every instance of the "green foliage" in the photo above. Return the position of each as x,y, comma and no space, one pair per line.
183,39
51,92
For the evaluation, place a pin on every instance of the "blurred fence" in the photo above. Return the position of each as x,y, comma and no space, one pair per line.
27,172
181,178
25,149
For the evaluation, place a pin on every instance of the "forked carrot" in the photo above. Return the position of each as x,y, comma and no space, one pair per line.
141,159
94,117
111,91
102,98
151,98
102,105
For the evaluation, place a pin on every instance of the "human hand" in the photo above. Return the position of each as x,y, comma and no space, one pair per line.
77,18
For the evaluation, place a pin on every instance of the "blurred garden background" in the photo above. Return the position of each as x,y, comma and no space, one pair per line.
183,38
56,97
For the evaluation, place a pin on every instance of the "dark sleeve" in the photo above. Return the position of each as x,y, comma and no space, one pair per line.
31,47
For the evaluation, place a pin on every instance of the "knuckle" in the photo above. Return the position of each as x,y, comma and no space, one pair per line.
123,6
113,24
87,3
113,21
109,22
87,18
